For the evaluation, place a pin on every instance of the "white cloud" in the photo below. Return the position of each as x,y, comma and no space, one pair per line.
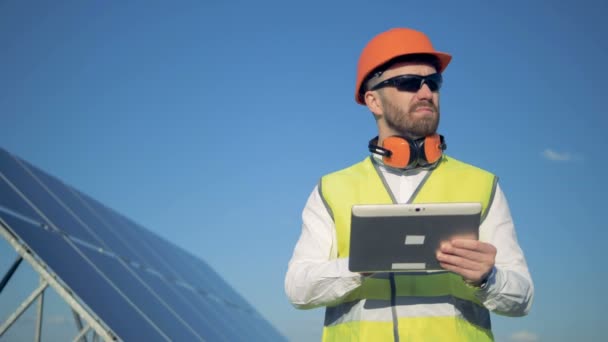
557,156
524,336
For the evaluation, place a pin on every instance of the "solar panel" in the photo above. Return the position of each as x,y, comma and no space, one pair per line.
134,285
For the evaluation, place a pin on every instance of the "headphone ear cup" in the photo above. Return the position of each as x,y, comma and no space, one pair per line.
433,148
401,155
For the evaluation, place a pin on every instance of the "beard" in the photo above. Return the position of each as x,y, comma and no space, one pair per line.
402,121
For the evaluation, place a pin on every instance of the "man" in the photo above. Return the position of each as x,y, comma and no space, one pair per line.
398,79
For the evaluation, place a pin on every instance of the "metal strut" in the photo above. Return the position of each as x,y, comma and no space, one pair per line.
81,336
10,273
21,309
38,335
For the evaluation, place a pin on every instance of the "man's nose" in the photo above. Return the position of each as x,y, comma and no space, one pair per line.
424,92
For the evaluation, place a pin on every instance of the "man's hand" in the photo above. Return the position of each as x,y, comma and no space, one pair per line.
471,259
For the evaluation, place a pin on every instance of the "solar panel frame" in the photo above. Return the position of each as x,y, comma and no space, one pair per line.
79,309
168,296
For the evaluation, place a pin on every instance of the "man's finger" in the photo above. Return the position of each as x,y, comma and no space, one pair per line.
461,262
473,245
463,252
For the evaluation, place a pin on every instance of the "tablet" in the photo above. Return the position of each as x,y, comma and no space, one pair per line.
406,237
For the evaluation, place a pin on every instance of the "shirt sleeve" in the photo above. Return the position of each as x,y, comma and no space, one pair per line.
315,277
509,290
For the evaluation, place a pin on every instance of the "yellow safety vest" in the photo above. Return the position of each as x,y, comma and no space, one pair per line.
397,306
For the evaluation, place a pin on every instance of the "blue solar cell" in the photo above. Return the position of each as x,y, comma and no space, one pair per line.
233,305
102,233
201,271
123,239
43,200
203,318
142,286
205,309
195,271
82,278
102,228
191,309
11,199
141,296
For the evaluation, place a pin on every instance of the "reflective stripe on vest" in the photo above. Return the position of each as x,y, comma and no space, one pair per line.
423,306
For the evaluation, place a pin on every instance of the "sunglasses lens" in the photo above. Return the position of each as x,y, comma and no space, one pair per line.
408,83
434,81
411,83
432,85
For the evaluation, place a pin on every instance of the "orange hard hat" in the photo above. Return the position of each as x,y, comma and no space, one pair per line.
389,45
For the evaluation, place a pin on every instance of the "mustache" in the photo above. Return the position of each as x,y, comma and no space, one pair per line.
424,103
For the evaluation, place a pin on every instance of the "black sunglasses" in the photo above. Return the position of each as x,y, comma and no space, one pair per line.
411,83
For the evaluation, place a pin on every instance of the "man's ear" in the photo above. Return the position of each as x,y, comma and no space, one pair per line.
372,100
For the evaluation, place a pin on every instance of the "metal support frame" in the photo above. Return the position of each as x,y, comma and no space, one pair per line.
10,272
38,335
22,307
49,279
78,321
81,335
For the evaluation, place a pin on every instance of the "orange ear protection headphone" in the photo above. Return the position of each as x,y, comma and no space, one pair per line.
403,153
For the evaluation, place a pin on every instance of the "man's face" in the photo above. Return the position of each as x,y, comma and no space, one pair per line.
410,114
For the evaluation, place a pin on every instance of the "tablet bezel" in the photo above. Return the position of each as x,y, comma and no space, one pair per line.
432,223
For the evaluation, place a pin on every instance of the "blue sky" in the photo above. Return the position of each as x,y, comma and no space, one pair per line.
210,122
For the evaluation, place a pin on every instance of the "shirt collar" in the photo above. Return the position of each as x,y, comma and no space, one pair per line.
377,159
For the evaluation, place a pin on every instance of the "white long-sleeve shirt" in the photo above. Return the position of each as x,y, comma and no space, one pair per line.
316,278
